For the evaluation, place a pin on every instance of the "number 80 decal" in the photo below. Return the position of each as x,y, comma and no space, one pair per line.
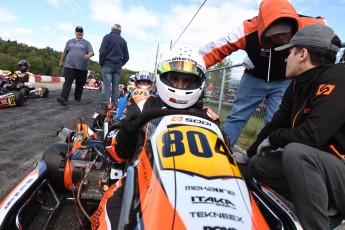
195,150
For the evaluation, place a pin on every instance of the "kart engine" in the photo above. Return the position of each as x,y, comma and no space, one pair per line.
90,172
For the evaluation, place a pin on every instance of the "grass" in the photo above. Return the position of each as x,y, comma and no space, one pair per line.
250,131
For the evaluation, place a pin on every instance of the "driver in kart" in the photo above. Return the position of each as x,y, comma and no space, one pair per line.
144,87
180,83
22,77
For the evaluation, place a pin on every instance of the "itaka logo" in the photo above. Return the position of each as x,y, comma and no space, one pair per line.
325,89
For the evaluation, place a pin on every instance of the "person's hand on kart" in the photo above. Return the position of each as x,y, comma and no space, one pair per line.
126,139
19,85
264,148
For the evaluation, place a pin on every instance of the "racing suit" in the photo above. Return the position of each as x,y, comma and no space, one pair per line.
26,79
108,212
310,126
264,76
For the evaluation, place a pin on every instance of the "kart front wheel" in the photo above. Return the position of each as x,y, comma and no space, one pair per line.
45,91
19,98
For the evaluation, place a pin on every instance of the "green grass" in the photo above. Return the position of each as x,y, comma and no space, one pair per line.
250,131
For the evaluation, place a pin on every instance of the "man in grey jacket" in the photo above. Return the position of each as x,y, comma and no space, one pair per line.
113,54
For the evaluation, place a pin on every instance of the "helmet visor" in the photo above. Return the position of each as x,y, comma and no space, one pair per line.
182,67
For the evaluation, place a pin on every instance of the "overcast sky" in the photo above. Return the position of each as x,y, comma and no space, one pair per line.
146,24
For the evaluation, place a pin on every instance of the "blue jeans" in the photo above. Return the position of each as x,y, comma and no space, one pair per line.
249,95
111,78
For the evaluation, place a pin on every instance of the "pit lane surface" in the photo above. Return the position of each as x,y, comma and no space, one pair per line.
26,131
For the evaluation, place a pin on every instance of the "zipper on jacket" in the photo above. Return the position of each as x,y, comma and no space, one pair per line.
293,123
269,65
336,152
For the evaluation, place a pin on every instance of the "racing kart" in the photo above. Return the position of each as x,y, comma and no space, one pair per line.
10,83
182,176
94,83
9,98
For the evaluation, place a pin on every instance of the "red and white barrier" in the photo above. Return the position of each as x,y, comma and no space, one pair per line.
43,78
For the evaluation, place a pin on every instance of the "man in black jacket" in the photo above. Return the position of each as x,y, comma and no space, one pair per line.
113,54
310,127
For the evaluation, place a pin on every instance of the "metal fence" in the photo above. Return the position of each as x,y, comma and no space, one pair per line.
219,97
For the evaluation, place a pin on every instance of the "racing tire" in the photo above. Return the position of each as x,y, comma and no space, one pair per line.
98,122
55,159
45,91
25,91
19,98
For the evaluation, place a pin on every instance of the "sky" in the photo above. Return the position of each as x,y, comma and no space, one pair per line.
150,27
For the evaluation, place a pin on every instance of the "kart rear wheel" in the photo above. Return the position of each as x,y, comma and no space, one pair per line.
19,98
55,158
45,91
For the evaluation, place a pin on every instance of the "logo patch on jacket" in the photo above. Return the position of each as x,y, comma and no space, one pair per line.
325,89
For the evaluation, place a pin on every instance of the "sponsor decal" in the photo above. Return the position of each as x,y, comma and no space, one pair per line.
210,189
212,200
325,89
218,228
220,215
173,100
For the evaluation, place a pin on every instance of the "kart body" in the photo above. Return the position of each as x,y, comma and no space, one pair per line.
94,84
182,176
9,84
11,98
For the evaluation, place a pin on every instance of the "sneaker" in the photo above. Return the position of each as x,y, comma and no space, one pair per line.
61,100
240,157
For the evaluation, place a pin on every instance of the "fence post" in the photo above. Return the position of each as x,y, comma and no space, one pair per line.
221,91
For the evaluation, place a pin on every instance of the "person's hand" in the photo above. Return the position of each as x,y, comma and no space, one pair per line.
264,147
126,139
61,64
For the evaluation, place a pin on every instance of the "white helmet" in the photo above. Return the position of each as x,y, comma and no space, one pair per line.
143,76
185,61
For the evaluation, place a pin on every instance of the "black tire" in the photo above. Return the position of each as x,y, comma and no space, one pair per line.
98,122
25,91
45,91
19,98
55,158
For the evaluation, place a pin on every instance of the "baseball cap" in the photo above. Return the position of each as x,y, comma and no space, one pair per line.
79,29
315,35
278,28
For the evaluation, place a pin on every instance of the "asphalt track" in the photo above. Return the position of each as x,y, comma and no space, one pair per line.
26,131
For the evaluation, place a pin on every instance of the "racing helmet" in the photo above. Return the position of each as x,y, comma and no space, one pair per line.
130,83
23,66
188,64
143,80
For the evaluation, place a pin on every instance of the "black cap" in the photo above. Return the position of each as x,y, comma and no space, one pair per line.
79,29
315,36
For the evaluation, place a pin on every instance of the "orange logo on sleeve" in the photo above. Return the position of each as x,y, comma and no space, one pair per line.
325,89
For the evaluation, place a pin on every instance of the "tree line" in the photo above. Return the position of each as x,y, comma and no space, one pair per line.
42,61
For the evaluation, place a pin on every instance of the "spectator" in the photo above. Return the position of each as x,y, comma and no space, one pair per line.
113,54
182,77
264,76
77,53
310,126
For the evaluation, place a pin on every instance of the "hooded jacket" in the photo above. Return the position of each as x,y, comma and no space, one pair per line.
263,61
312,112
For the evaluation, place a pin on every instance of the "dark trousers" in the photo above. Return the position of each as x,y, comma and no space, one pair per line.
80,79
313,179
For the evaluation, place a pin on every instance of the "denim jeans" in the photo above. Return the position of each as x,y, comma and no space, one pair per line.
111,81
250,93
